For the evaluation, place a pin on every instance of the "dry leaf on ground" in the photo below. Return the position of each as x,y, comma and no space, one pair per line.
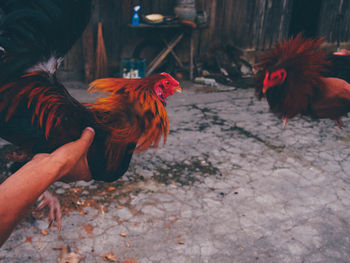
44,232
109,257
88,228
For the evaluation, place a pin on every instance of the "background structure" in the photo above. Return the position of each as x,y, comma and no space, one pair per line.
252,26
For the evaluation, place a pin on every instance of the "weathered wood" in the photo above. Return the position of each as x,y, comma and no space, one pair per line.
162,55
101,55
191,54
212,21
248,24
335,11
88,53
178,60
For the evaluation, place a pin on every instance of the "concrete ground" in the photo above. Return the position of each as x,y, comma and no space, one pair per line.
229,186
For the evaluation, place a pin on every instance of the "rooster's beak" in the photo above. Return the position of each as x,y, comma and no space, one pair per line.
178,89
264,89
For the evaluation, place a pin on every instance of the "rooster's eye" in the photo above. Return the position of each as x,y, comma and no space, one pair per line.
276,76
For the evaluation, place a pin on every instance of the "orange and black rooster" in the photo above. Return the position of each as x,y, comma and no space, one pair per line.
297,77
39,115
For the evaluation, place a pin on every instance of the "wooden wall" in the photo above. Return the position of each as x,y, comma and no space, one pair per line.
252,25
247,24
328,24
257,24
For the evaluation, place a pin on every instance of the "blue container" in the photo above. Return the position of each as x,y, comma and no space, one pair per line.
133,68
135,18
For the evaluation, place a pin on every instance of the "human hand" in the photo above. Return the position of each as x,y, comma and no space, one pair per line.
70,160
20,191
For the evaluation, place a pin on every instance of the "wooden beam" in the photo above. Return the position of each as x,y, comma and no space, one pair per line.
191,54
173,53
162,55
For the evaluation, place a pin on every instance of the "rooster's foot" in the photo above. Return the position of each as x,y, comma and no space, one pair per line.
48,199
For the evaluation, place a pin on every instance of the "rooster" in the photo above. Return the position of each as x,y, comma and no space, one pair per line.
39,115
296,78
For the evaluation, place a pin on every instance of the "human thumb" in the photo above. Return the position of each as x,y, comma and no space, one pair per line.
87,137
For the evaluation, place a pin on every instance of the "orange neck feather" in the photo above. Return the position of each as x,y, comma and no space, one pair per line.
131,112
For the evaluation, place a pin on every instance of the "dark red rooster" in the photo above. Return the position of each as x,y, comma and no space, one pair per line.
292,77
38,114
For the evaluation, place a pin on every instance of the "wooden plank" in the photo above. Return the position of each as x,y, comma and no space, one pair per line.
212,20
173,53
191,55
88,53
162,55
228,21
219,18
88,44
328,27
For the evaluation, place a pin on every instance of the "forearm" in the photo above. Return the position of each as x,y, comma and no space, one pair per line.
20,191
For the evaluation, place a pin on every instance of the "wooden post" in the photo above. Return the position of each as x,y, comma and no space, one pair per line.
191,54
88,44
88,53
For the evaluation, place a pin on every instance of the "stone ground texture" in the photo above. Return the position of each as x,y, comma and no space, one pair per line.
231,185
